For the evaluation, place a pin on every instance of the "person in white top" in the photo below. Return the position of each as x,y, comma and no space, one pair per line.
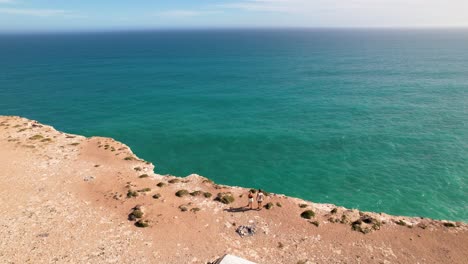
260,197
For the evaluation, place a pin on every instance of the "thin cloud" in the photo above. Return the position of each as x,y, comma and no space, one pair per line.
35,12
185,13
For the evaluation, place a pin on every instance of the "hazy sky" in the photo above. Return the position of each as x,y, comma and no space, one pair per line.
21,15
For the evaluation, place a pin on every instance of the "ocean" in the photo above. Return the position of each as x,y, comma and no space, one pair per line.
372,119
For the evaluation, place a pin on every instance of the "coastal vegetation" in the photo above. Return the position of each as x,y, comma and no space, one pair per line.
182,193
308,214
225,198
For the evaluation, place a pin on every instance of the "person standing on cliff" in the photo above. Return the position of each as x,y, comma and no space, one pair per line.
260,197
251,199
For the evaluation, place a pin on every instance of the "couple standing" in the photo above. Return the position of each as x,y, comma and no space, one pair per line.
260,197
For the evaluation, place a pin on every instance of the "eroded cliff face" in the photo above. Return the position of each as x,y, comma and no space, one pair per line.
71,199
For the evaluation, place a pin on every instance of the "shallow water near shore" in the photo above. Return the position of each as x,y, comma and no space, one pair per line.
368,119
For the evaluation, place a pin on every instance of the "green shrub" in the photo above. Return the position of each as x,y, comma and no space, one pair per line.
225,198
279,204
131,194
161,184
303,205
182,193
144,176
128,158
142,223
174,181
268,206
137,169
137,213
315,223
207,194
196,193
308,214
145,190
36,137
157,196
400,222
334,210
449,225
195,209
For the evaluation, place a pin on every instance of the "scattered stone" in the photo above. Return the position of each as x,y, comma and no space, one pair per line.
246,230
88,178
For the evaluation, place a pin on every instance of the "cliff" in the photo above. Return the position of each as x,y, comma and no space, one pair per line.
71,199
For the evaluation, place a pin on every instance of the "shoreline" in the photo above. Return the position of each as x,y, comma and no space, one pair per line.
98,174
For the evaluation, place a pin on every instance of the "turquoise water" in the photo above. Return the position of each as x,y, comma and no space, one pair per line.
369,119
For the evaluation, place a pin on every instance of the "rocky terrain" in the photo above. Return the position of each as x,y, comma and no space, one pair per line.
71,199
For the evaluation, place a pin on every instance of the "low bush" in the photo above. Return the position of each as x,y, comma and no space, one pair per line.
195,209
161,184
449,224
315,223
279,204
308,214
156,196
268,206
174,181
128,158
131,194
142,223
196,193
182,193
145,190
225,198
36,137
207,194
144,176
137,213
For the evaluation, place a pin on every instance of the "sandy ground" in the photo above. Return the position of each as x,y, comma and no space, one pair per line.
64,200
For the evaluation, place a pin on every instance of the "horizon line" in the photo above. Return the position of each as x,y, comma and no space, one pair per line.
156,29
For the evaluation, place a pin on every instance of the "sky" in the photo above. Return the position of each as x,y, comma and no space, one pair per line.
72,15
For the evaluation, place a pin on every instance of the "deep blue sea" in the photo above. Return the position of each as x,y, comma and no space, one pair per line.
368,119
